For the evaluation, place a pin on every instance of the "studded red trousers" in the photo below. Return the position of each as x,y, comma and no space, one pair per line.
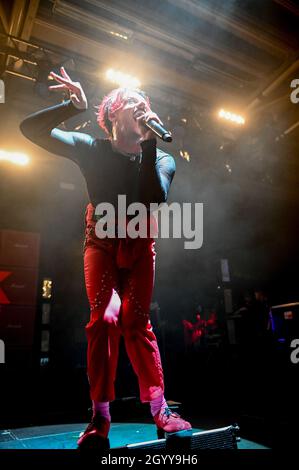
119,278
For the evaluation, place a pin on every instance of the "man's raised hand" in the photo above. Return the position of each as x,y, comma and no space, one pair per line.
77,95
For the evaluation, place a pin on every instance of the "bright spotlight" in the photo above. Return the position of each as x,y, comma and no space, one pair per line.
122,79
118,35
185,155
13,157
236,118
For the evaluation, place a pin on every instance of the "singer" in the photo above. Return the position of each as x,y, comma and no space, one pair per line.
119,273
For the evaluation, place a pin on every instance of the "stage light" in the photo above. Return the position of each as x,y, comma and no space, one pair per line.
44,361
47,289
235,118
45,341
2,92
14,157
118,35
185,155
122,79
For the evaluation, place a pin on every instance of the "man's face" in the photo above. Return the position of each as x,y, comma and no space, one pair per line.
125,118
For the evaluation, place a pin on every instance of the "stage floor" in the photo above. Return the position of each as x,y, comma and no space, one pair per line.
64,436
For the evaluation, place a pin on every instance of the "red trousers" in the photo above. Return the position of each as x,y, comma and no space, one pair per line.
119,278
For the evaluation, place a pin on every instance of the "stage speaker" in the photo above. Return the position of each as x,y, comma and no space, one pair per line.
19,257
17,325
18,286
19,248
221,438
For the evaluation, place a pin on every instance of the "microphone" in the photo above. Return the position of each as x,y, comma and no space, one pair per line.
158,130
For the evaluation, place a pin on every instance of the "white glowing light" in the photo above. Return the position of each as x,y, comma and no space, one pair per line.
14,157
236,118
122,79
185,155
118,35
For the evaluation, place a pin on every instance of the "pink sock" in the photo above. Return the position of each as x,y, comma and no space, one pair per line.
101,408
157,404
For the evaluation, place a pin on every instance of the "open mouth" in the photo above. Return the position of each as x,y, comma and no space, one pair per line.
138,113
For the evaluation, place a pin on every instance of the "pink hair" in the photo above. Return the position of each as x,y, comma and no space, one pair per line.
111,103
